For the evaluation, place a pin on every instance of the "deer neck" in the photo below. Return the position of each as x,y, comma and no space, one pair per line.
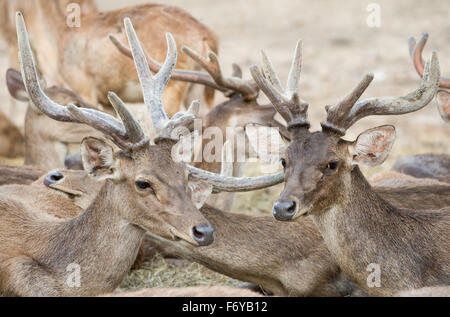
100,241
354,227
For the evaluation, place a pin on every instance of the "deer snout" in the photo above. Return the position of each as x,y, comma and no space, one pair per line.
284,210
53,178
203,235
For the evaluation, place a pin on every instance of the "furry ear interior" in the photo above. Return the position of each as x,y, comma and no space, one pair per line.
15,85
98,159
372,147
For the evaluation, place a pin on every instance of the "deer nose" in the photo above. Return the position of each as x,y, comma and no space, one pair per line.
203,235
53,178
284,210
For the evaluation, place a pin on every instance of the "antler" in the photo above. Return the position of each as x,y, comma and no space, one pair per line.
348,111
443,96
212,78
177,74
235,83
415,51
287,102
126,134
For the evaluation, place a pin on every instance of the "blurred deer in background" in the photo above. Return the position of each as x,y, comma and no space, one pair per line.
83,58
428,165
47,141
323,181
11,139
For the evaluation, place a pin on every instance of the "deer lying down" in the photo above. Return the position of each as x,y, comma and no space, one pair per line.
80,58
47,141
409,247
435,291
37,248
247,248
193,291
19,174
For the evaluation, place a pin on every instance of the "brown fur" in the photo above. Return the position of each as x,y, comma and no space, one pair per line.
358,225
98,66
104,239
242,245
11,139
429,165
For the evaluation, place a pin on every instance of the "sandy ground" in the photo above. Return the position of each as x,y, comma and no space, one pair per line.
339,48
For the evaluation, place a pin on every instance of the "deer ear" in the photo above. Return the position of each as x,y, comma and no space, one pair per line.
98,159
15,85
372,147
266,142
200,191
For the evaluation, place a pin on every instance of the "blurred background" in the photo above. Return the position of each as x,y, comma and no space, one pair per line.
341,42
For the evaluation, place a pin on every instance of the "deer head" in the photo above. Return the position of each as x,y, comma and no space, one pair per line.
151,186
318,165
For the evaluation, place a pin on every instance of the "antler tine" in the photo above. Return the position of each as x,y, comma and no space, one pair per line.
338,115
234,184
415,50
177,74
152,86
103,122
390,105
287,102
212,66
132,126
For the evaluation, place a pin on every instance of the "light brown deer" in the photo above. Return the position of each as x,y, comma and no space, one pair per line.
37,248
248,248
47,141
322,180
83,56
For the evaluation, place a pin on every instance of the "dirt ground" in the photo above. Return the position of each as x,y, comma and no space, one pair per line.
338,49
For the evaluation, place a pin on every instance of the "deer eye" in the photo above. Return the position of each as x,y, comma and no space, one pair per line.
143,185
332,165
283,162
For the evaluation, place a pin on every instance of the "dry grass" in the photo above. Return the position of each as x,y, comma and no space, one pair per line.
159,272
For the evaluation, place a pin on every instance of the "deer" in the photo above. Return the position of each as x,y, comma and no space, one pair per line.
232,117
92,77
47,141
38,243
323,182
245,248
428,165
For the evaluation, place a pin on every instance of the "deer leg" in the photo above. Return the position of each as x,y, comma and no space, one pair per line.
22,276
